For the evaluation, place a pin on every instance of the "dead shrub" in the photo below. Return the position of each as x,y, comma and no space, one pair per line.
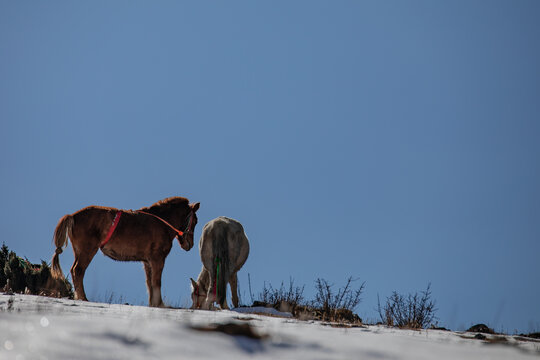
328,305
414,311
337,306
284,298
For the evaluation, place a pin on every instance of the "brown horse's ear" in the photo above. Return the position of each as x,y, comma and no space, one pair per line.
195,206
193,284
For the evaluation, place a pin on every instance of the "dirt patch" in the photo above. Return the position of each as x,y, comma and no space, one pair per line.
232,329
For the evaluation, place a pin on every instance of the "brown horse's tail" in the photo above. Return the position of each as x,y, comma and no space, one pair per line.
61,234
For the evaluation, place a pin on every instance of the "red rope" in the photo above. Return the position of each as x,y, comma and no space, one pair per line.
180,233
112,228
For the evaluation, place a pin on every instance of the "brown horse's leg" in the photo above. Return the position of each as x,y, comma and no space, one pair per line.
148,271
82,260
155,294
234,290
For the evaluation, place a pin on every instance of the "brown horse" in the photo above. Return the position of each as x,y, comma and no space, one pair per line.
144,235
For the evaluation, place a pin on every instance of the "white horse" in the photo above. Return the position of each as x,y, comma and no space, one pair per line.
224,248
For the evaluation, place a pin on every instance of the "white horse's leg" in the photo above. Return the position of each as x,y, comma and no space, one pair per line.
234,289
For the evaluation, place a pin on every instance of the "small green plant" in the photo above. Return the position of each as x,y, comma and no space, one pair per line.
4,254
414,311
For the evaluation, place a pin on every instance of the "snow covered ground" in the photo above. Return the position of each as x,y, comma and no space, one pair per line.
33,327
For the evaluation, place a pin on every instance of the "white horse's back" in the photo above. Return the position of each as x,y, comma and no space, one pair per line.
224,248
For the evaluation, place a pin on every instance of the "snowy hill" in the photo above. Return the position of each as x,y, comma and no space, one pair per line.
33,327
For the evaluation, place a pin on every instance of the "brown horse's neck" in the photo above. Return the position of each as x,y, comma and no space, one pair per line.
176,216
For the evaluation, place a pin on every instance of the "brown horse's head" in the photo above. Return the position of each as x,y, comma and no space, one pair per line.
186,240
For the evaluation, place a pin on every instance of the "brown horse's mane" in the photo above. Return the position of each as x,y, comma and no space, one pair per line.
166,204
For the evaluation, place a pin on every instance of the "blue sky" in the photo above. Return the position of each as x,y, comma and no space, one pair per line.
396,142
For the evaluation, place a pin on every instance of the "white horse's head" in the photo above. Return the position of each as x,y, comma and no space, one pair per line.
199,294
